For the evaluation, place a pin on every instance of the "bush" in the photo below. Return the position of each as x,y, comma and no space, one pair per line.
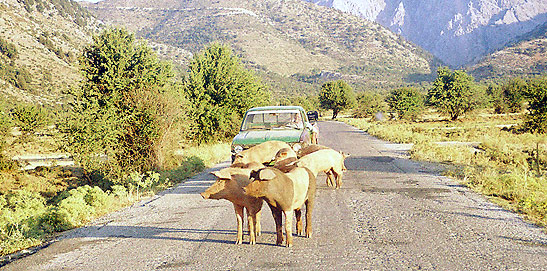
536,94
127,109
220,90
29,118
408,103
369,104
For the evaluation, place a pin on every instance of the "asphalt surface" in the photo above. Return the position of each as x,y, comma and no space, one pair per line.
390,214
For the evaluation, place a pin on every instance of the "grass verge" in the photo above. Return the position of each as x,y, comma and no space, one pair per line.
483,154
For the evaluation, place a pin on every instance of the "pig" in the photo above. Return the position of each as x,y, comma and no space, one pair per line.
229,186
328,161
285,193
284,159
309,149
261,153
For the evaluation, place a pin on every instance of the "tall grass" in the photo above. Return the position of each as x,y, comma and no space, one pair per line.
509,167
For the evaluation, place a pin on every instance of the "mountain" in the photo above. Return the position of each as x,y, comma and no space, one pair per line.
40,41
527,57
282,40
458,32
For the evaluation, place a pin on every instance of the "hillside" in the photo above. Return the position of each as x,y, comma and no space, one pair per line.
287,40
40,41
525,58
456,31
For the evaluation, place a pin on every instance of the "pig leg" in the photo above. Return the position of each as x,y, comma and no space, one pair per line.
338,178
330,179
258,227
309,208
239,216
278,218
251,218
299,228
288,227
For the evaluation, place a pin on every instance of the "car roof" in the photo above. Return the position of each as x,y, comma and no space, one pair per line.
278,107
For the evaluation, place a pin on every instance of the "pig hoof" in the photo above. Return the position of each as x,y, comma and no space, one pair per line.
239,242
289,244
308,235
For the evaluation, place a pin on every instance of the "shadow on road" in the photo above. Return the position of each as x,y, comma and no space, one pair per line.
157,233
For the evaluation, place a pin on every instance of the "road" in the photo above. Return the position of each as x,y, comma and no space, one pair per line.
390,214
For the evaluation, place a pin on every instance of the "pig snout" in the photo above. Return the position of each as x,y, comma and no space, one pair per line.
205,195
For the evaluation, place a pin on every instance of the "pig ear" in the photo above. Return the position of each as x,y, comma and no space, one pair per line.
222,174
267,174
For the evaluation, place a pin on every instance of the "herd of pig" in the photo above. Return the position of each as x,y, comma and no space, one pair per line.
285,180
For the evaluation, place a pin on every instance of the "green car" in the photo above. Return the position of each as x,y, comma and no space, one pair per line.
283,123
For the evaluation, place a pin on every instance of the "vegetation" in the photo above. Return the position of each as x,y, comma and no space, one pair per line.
406,102
29,118
508,167
509,96
451,93
219,90
536,93
336,95
369,104
127,110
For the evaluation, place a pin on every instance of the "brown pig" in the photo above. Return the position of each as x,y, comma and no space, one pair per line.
229,186
261,153
327,160
309,149
285,193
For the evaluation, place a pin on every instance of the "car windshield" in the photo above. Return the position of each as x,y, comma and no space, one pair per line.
273,120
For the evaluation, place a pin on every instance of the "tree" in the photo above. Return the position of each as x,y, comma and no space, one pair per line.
126,110
336,95
220,90
451,93
406,102
369,104
29,118
536,93
509,96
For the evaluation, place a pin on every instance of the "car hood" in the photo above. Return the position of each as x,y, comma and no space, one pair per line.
253,137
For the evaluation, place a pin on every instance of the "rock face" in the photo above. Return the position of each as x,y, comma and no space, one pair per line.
456,31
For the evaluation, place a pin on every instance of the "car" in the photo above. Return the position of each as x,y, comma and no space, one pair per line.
289,124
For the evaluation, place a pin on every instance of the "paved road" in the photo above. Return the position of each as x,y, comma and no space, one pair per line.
391,214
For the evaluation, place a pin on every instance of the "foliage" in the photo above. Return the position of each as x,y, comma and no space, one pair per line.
127,116
29,118
308,102
336,95
408,103
536,94
369,104
451,93
509,96
219,90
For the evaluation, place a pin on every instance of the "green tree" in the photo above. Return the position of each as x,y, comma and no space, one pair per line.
408,103
126,110
336,95
509,96
536,94
368,104
452,93
220,90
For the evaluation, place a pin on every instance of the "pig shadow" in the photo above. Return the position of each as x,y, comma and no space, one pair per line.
109,232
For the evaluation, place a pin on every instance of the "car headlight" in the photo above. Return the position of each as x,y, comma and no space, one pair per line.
296,147
237,149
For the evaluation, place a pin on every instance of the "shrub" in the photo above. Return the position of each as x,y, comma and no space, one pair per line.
29,118
369,104
407,102
127,115
220,90
536,119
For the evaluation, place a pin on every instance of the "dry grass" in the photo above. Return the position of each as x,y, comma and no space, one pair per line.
507,166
